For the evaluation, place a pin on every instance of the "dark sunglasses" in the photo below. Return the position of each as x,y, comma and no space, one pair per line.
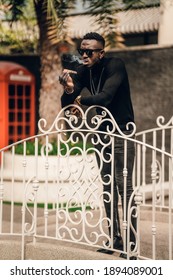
89,52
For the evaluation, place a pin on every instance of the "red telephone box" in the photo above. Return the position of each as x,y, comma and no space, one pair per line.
17,103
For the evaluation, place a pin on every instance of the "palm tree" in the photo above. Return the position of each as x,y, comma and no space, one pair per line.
50,16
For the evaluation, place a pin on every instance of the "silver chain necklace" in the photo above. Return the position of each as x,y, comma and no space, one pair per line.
95,91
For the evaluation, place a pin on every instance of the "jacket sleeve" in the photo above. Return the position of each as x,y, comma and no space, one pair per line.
115,73
67,99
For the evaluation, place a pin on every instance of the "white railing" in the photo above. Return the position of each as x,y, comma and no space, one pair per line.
160,137
68,182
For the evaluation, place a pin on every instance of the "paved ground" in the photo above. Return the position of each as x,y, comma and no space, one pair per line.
51,249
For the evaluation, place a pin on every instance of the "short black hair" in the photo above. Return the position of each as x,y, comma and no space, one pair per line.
94,36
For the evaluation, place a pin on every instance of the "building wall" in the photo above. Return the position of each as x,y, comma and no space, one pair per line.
150,72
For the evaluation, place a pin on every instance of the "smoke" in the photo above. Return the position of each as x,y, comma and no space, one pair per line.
71,61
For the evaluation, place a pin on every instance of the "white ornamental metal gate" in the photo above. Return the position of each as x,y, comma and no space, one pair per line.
65,190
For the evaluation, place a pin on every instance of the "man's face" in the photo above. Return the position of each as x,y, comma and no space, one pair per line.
94,52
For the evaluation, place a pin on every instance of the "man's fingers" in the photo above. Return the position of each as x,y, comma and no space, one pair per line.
63,78
76,112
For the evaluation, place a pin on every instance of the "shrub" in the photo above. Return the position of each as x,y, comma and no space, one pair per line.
73,149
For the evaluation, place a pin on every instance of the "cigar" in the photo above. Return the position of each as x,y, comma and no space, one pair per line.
63,80
71,71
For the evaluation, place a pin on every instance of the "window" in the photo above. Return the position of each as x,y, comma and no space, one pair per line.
19,111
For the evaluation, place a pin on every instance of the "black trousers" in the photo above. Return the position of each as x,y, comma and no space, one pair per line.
110,159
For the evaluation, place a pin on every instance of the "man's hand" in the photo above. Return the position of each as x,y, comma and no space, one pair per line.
75,111
66,80
77,100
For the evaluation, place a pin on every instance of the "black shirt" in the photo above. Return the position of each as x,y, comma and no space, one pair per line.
109,86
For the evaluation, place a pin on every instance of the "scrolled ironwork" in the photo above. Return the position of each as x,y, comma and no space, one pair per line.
76,122
160,122
81,167
30,196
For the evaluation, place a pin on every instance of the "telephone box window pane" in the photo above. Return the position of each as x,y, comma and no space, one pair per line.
19,90
27,103
27,130
19,103
11,117
11,90
27,117
19,117
11,103
11,130
27,90
19,130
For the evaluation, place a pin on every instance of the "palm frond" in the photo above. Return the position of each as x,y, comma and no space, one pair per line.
14,39
105,14
57,11
14,8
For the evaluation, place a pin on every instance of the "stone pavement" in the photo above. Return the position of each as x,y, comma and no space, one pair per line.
63,250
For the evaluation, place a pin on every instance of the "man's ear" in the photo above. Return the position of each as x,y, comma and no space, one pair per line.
102,53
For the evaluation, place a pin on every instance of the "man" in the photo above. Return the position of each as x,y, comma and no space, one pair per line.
107,81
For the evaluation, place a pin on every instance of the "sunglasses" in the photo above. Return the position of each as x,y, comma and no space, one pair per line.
89,52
